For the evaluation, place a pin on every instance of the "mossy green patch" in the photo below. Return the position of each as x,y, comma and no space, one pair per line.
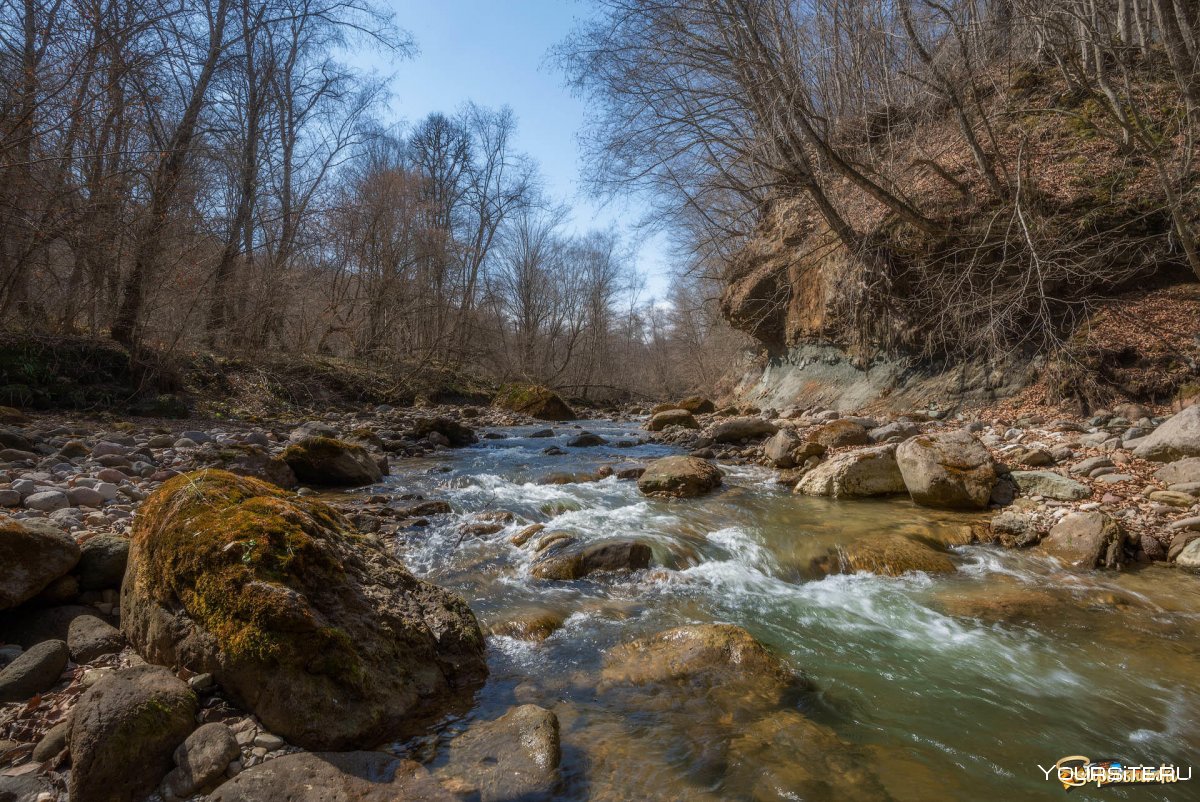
234,551
535,400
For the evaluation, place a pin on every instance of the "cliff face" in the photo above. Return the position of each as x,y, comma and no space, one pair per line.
971,312
783,287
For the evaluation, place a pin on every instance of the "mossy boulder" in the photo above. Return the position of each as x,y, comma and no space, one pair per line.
534,400
124,730
671,417
316,628
698,405
456,433
322,460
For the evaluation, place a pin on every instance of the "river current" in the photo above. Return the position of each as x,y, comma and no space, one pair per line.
956,686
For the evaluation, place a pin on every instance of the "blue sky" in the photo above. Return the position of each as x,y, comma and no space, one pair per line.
495,53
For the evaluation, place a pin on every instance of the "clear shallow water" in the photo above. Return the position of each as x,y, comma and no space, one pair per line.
956,686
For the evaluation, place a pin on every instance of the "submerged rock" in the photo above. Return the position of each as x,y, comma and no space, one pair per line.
574,563
679,477
785,755
887,555
33,554
514,757
535,401
699,656
1086,540
328,461
124,730
951,470
324,635
333,777
866,472
530,625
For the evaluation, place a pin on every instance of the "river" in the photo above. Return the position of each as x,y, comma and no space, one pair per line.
957,687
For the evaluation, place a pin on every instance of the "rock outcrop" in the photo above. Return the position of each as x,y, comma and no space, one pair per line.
514,757
317,629
887,555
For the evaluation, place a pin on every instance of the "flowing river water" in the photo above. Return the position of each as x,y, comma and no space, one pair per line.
955,686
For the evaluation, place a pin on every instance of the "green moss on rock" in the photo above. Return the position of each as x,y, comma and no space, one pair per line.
300,617
534,400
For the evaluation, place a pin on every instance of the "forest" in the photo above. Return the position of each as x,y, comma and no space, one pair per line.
211,175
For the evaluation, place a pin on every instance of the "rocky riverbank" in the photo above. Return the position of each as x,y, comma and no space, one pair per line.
193,608
1124,474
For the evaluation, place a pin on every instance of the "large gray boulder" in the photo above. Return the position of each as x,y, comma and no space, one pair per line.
102,562
1049,484
123,732
317,629
33,672
738,429
1086,540
855,474
949,470
33,554
514,757
1175,438
679,477
201,760
781,447
90,637
334,777
1180,472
